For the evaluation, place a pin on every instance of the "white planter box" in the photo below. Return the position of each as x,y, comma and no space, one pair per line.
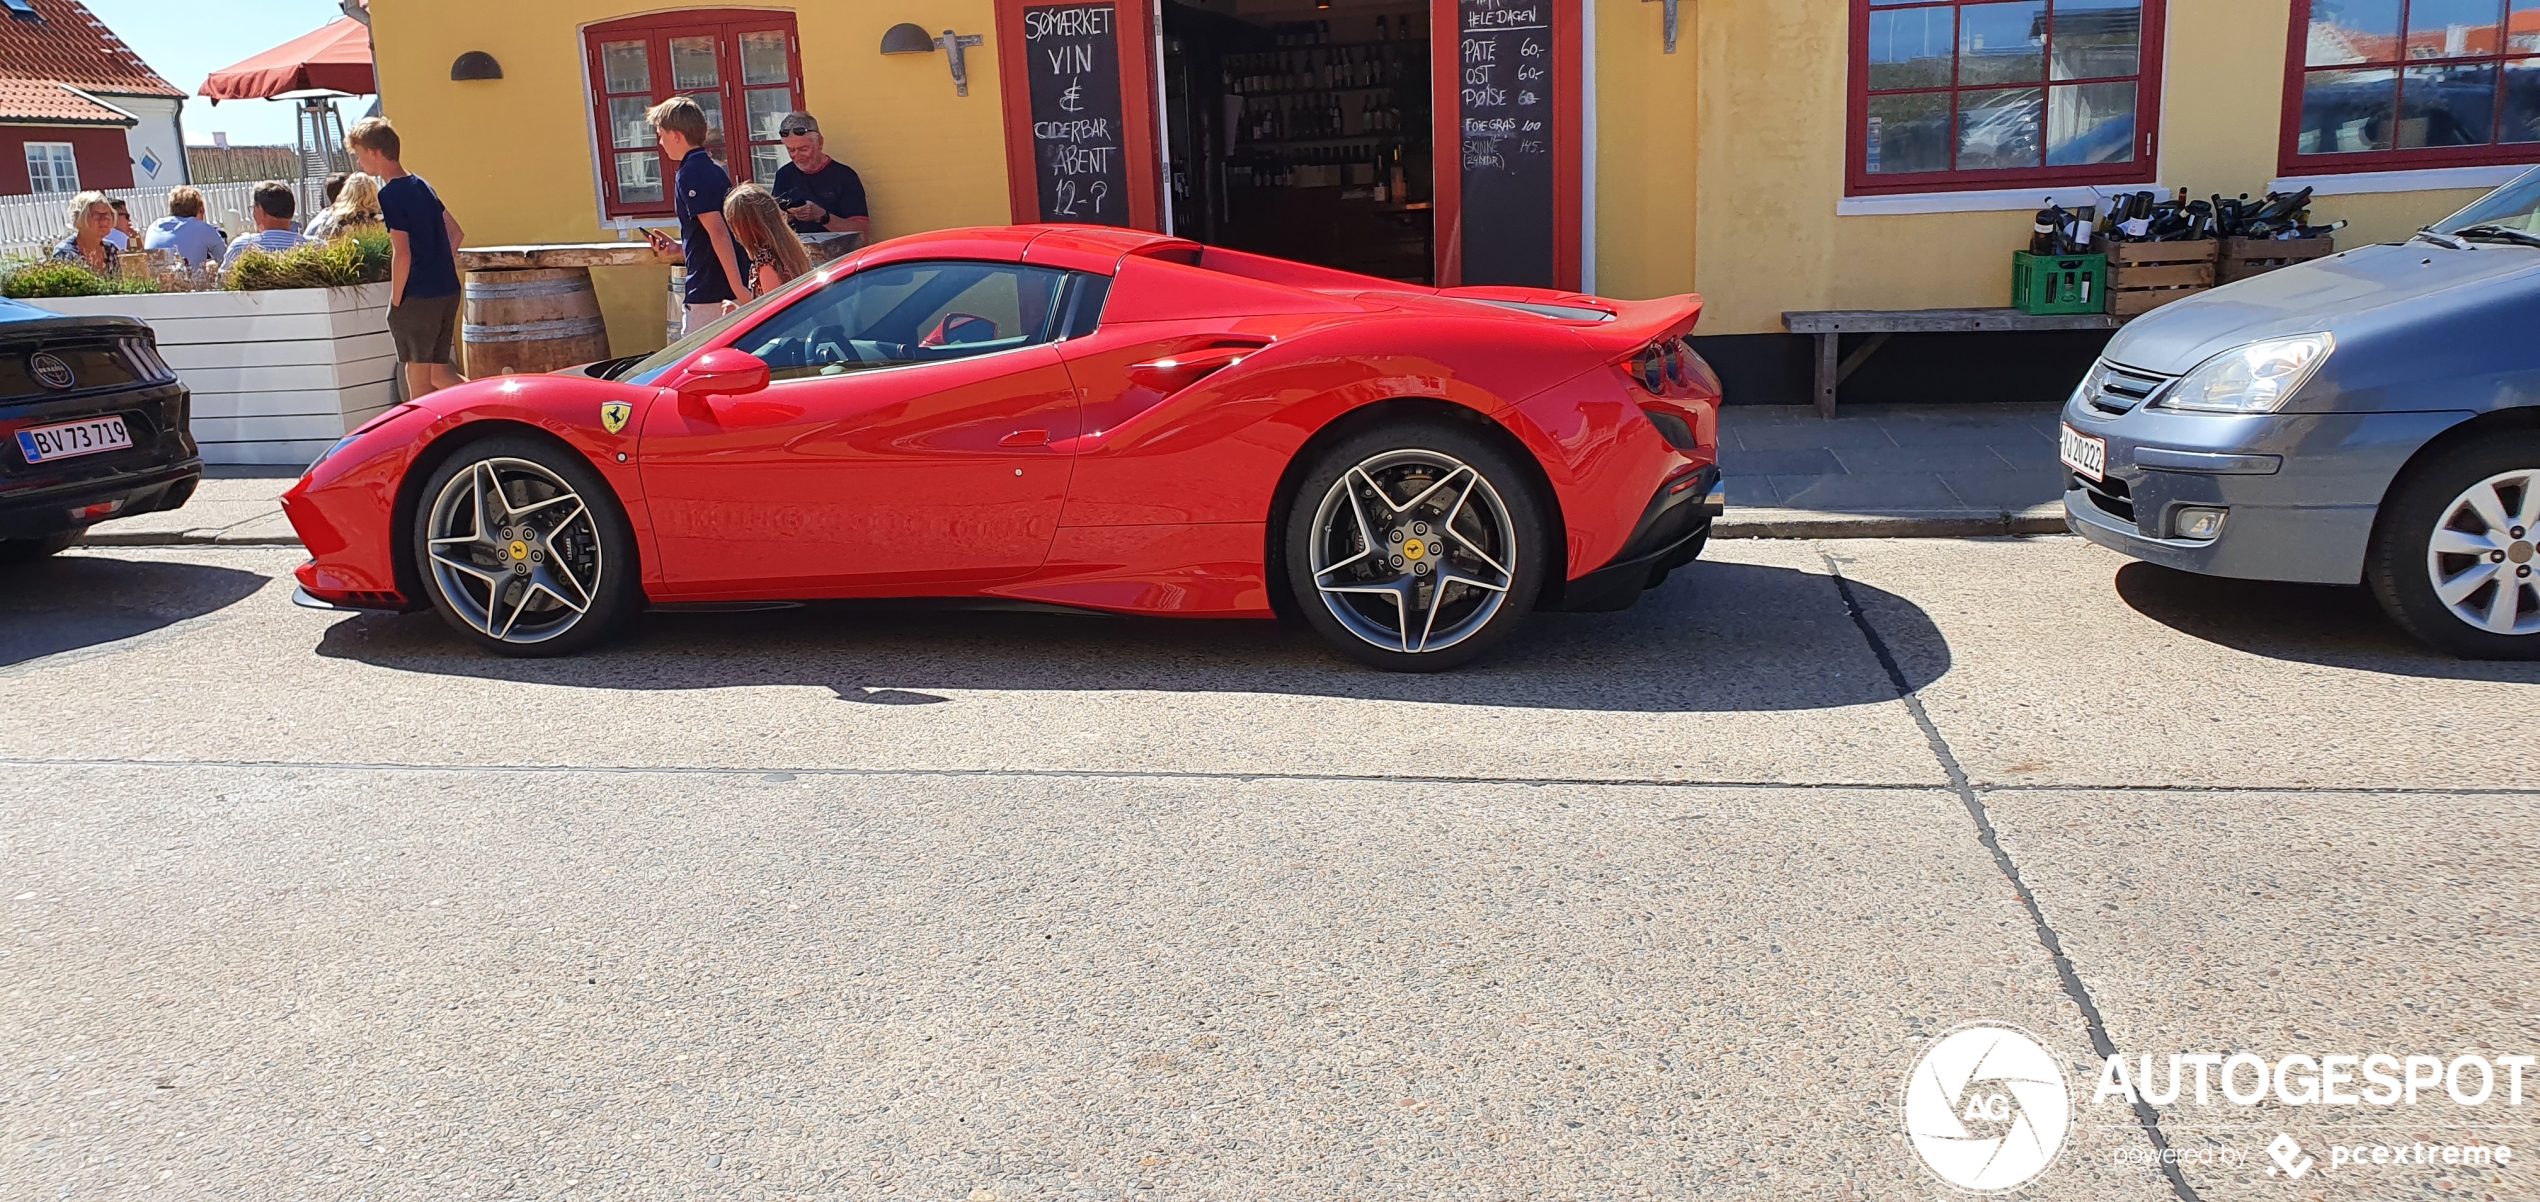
276,376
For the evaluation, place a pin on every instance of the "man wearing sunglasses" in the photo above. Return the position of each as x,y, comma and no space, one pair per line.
821,195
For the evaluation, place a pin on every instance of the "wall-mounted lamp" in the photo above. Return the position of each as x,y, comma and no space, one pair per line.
476,64
908,38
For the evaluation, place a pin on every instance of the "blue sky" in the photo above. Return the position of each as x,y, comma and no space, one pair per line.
186,40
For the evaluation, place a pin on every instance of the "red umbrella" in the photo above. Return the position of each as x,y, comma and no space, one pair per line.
334,59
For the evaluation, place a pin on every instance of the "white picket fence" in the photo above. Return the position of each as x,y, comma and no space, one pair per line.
34,225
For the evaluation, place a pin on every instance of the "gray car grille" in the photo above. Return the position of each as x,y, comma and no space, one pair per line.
2113,389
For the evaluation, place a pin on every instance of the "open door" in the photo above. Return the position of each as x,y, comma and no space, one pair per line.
1079,88
1508,77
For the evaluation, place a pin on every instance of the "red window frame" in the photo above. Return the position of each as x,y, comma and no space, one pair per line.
656,31
2142,169
2289,159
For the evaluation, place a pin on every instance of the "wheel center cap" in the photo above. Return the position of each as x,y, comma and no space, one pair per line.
519,549
1415,550
2519,552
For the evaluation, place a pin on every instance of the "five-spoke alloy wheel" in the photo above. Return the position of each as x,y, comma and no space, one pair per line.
1415,547
2457,557
523,548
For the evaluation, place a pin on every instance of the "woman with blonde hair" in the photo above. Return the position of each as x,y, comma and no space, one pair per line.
355,211
92,218
759,228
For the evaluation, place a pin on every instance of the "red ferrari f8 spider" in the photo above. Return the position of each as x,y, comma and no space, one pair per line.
1082,417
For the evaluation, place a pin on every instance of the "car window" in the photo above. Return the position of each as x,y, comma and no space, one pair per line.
2514,206
904,313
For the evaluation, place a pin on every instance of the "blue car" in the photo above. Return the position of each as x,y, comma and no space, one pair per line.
2368,418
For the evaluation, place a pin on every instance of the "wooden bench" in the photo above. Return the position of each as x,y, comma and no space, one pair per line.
1828,326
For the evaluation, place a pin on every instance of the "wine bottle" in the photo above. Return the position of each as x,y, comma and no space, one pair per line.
2041,238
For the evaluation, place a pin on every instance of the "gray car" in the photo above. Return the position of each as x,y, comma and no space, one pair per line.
2369,418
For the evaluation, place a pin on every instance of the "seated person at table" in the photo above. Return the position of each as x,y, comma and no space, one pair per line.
274,209
820,194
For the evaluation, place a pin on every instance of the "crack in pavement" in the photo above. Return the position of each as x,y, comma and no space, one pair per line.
2144,1115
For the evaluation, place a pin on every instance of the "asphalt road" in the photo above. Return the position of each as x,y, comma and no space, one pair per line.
857,901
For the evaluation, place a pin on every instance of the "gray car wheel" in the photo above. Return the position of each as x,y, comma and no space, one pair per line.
2456,560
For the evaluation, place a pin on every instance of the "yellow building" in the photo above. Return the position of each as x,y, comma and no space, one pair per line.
1772,155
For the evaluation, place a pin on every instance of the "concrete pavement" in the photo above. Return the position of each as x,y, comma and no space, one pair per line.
855,901
1918,471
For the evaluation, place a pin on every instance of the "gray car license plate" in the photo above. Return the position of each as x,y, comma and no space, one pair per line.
2085,454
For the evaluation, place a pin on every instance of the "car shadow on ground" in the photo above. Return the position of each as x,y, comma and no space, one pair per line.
1718,637
2329,625
70,602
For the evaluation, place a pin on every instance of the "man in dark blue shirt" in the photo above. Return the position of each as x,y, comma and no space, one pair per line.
705,242
821,195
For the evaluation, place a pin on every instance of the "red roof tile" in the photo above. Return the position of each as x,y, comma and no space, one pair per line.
53,104
73,46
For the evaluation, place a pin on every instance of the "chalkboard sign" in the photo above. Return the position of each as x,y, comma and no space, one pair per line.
1504,119
1072,54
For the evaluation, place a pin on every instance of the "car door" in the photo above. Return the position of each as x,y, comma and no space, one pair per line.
903,442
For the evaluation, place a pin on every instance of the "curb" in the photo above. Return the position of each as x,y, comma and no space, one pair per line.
1736,524
1902,523
182,538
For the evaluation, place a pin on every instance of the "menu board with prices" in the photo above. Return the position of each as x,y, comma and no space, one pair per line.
1504,119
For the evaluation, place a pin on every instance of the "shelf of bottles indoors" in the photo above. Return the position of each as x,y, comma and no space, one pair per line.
1315,113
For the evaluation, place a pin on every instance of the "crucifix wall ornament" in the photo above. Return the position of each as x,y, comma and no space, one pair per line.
953,44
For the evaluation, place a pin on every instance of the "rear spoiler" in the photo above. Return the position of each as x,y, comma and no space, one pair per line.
1632,325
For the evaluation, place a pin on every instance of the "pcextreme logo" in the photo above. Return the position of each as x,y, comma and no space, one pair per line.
1987,1107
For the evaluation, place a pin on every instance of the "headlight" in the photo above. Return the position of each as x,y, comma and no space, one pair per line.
2257,378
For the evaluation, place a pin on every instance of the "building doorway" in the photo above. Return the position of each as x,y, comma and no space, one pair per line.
1302,130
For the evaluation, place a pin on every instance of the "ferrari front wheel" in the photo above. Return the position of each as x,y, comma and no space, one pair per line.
523,549
1416,547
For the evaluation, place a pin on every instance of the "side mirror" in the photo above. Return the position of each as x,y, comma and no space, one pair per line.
722,371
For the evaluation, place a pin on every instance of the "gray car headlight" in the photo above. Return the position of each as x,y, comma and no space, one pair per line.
2257,378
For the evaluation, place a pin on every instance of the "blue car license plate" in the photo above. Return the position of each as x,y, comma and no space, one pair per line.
72,439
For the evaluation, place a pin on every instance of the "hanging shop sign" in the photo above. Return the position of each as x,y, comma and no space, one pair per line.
1080,105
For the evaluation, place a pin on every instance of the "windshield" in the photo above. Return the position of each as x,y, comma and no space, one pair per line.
2516,206
654,365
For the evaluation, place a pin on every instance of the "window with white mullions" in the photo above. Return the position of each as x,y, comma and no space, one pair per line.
51,167
2396,84
1952,94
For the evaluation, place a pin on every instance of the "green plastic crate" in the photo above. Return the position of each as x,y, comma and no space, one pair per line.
2054,285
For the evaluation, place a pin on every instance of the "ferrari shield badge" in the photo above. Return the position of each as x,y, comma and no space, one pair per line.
613,415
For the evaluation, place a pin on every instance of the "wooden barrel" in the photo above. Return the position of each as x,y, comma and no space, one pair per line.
531,321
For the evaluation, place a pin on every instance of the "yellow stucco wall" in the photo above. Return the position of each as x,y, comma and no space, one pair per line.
513,157
1768,145
1719,168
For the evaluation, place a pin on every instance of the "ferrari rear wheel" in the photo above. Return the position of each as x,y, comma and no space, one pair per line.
1416,547
523,549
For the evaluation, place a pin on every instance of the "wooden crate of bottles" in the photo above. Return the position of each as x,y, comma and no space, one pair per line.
2143,276
2246,257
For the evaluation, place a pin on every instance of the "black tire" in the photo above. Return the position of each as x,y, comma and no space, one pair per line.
554,552
1506,510
28,550
2403,563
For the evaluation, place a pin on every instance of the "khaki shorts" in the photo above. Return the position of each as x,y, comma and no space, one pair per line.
423,328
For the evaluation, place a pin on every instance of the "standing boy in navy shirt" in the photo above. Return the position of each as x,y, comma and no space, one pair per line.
423,263
705,242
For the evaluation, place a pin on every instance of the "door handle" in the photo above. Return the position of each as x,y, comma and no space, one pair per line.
1025,438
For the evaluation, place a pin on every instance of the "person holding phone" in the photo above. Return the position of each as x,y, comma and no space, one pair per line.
705,242
820,194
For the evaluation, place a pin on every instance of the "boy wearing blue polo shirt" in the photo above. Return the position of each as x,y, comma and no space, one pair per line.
423,266
705,242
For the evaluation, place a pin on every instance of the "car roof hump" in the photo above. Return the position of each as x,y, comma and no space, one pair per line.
1100,248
